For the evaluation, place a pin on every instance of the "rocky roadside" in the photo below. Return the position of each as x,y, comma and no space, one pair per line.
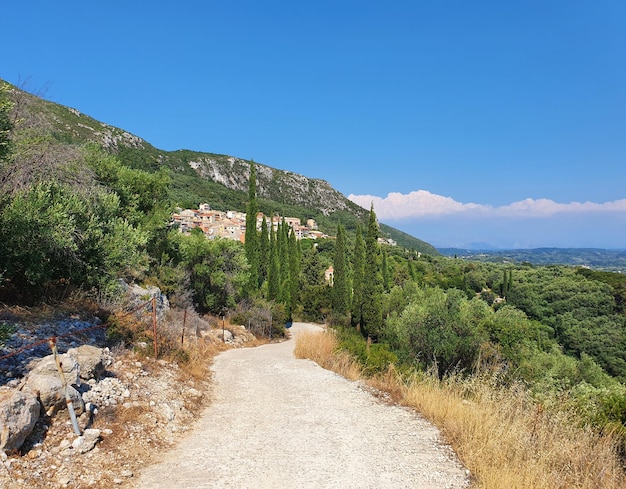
128,412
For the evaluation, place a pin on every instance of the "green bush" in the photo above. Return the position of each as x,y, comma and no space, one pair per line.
6,330
374,357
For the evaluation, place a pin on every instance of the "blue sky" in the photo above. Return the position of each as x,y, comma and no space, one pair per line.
465,122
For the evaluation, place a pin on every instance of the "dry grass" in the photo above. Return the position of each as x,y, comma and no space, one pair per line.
505,440
322,349
508,441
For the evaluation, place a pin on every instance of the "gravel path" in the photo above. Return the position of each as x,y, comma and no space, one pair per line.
279,422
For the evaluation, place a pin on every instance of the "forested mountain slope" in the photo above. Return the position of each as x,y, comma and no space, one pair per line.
196,177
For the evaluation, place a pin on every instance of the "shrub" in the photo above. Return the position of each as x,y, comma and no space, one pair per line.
374,357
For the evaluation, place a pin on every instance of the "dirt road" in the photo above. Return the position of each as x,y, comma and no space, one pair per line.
279,422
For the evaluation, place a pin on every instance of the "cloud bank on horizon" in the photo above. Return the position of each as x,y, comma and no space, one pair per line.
421,203
529,223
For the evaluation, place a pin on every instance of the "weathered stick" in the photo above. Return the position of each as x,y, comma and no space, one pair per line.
68,398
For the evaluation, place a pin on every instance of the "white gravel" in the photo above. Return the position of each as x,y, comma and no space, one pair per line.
279,422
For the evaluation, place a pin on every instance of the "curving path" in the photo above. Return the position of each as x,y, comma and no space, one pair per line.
279,422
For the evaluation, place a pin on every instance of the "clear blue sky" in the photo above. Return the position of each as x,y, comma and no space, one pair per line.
449,115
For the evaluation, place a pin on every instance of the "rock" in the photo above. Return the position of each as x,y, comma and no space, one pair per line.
64,480
109,391
194,393
19,412
47,366
167,413
87,441
50,390
92,361
65,443
138,295
222,335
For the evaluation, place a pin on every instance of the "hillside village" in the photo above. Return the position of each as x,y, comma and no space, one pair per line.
232,224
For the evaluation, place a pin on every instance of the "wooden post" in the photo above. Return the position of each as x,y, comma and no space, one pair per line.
182,336
68,398
154,328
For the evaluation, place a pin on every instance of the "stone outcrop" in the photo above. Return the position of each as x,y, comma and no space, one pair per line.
273,184
138,295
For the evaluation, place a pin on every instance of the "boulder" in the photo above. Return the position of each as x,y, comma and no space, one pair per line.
49,389
19,412
92,361
138,295
47,366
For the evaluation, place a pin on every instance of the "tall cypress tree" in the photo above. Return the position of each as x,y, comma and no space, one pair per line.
411,269
358,271
252,237
372,315
273,271
385,269
282,239
294,273
340,291
264,251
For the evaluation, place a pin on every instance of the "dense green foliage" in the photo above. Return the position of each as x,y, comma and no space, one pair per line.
581,313
55,238
6,125
218,271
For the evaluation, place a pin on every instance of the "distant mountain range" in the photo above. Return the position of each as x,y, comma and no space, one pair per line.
220,180
596,258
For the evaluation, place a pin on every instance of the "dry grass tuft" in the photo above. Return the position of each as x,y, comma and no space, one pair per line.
500,434
322,349
390,382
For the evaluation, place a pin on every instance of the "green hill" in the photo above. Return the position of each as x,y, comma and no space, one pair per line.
220,180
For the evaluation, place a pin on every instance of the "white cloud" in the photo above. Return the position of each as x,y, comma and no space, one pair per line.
421,203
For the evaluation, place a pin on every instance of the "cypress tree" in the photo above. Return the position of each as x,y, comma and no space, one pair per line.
282,240
294,273
372,315
273,270
340,291
411,269
264,251
385,270
358,271
252,238
504,284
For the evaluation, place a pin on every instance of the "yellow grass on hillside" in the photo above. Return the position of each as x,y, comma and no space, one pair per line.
322,349
503,438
